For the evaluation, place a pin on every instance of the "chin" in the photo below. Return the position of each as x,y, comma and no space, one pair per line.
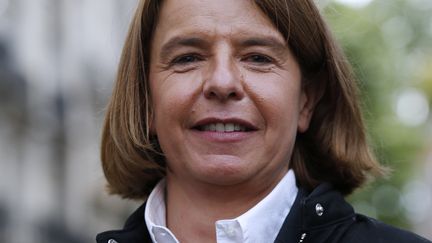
223,170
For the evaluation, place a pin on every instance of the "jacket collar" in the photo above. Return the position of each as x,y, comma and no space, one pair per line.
324,206
134,231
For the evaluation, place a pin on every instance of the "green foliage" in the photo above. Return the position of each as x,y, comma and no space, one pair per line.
389,44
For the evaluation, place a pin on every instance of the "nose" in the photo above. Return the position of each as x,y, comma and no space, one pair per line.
223,81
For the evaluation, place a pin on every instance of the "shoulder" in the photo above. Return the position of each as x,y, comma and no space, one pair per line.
324,216
366,229
134,230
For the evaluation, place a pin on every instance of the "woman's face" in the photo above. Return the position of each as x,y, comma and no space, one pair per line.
226,92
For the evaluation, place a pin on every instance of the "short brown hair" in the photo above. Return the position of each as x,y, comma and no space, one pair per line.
334,149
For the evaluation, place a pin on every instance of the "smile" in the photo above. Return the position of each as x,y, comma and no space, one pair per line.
223,127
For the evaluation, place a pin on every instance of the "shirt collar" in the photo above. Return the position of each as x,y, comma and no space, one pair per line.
259,224
270,212
155,216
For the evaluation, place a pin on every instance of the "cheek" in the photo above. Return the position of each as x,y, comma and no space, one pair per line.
277,97
173,96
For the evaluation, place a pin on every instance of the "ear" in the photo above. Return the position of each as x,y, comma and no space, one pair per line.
310,95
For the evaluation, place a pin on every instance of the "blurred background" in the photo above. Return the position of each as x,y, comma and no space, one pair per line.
57,65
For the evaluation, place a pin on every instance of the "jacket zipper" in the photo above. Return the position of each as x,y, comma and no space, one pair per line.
303,236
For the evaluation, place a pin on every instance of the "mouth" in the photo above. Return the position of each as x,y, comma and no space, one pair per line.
225,126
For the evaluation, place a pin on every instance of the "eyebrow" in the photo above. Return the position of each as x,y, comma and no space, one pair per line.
180,41
263,41
267,41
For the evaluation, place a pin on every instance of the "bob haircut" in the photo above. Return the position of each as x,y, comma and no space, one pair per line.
334,149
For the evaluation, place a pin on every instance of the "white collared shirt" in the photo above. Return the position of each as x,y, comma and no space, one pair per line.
261,223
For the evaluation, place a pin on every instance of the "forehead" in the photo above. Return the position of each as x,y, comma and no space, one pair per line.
221,18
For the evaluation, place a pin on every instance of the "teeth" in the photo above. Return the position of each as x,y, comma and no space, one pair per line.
212,127
221,127
229,127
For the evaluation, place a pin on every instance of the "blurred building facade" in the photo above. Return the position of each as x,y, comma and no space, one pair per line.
58,61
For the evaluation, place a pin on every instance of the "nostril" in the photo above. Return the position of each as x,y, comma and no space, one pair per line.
223,96
211,94
232,95
223,89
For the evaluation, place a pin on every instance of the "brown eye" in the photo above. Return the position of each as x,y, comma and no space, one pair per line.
186,59
259,59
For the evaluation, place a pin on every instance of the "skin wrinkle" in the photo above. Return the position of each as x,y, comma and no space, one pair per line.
279,56
203,42
178,42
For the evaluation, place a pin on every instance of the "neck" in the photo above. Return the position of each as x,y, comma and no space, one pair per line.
193,208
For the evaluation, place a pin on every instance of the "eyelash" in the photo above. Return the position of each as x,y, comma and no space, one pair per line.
189,59
186,59
262,59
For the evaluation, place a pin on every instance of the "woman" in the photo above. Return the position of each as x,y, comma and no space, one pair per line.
239,122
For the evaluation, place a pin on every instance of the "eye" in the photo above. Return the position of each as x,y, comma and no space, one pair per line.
258,59
186,59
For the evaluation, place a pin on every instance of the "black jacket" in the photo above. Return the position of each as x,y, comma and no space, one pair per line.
323,216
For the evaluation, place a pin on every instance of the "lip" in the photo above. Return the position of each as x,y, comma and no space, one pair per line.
224,137
249,126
